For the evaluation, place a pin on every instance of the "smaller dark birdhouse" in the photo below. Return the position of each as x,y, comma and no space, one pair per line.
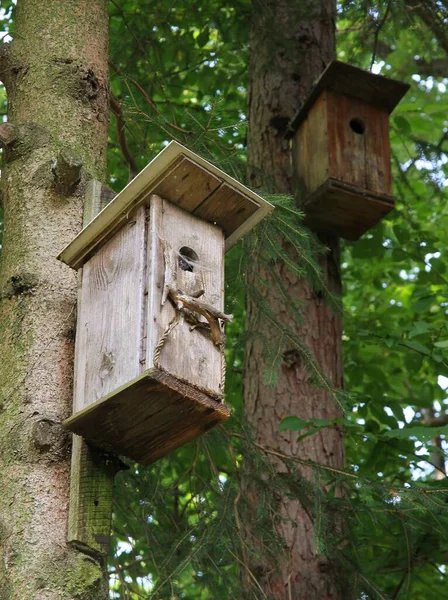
341,150
149,352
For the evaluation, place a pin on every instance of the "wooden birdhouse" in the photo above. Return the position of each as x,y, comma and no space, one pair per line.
341,150
149,354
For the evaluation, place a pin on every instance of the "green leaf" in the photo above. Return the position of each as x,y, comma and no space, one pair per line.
419,328
420,431
292,424
426,395
441,344
417,347
203,37
403,124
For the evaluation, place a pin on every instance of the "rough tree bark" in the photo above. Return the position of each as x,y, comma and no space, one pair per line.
291,43
56,77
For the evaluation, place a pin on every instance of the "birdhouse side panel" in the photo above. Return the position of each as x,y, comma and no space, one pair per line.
110,314
310,149
186,260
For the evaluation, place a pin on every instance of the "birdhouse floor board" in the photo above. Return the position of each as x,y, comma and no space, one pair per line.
345,211
148,418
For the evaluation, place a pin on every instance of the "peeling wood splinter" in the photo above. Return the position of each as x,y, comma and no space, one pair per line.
149,373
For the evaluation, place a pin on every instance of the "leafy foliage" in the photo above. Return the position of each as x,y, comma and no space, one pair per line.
394,328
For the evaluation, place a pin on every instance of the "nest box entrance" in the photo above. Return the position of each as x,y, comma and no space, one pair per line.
341,150
149,353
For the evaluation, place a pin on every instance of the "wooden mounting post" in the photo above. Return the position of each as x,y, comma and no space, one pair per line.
92,471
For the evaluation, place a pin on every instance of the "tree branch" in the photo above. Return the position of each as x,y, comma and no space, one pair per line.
121,124
150,102
378,28
67,171
8,134
4,61
429,12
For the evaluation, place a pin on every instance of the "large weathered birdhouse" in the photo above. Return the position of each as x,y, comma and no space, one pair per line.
149,362
341,150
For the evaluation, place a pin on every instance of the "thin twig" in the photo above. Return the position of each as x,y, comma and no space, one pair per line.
121,125
377,32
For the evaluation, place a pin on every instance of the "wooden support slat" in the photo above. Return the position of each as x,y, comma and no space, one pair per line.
92,471
96,198
91,497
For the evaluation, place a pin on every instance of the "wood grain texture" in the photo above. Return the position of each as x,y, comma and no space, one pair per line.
311,149
347,148
343,175
353,82
164,175
377,148
188,354
148,417
187,185
344,210
91,496
110,316
91,474
228,207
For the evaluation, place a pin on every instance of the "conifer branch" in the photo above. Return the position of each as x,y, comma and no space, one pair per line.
429,12
149,101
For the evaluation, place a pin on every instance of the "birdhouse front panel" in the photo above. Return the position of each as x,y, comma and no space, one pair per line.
186,272
358,144
110,315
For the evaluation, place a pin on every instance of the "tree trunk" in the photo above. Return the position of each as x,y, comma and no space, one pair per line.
56,77
291,44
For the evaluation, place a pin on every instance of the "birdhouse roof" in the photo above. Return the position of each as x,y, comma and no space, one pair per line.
185,179
351,81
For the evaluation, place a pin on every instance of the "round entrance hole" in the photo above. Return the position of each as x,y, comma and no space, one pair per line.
358,126
187,259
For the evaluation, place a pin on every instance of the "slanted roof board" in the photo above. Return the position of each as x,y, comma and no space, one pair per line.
185,179
351,81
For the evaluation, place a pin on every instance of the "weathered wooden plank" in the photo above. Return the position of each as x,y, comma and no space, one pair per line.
91,489
149,417
356,83
345,210
311,151
228,207
137,193
188,185
110,316
97,196
92,474
188,354
346,147
378,171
